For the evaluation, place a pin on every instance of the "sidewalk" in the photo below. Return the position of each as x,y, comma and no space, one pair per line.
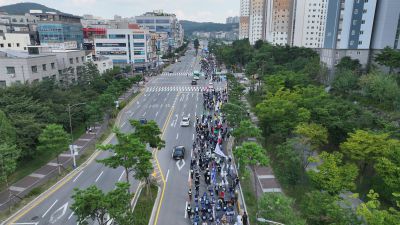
39,177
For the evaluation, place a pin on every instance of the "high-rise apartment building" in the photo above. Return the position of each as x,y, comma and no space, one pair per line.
257,20
232,19
349,30
244,19
278,21
309,23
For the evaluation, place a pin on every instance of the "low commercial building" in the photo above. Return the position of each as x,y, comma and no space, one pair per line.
125,46
23,67
14,41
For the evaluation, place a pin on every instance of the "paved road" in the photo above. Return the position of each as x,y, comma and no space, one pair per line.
166,99
176,173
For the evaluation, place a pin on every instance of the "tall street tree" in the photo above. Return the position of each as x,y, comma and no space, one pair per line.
148,133
92,204
251,154
9,155
332,175
127,152
53,140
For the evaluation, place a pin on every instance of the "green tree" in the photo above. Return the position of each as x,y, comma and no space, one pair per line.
148,133
93,204
53,140
389,57
365,147
381,89
7,130
234,111
388,168
127,153
347,63
9,155
372,212
251,154
280,112
279,208
246,129
321,208
345,82
312,134
258,44
196,45
332,175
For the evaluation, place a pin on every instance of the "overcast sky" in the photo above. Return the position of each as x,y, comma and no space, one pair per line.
196,10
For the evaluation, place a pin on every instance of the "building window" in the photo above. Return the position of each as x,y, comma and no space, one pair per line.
116,36
77,59
9,45
10,70
71,61
138,36
83,59
34,69
362,21
44,67
360,43
141,44
1,45
17,44
53,66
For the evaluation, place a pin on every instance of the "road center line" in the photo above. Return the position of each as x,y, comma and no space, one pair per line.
76,178
166,177
99,176
48,210
177,136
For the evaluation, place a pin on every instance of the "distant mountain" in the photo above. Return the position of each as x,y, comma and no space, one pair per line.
190,26
24,7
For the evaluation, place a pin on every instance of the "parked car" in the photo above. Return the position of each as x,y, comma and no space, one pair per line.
178,152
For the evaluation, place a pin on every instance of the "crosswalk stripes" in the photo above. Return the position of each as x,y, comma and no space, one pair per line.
176,74
179,89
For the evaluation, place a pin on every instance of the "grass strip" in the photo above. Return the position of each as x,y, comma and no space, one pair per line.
144,205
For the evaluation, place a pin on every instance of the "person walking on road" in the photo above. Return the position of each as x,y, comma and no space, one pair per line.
244,218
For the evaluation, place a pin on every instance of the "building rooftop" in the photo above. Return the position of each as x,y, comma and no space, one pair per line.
8,53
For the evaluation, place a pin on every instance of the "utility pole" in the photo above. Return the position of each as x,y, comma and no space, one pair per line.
70,128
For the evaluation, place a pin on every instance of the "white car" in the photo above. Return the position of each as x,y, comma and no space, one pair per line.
185,121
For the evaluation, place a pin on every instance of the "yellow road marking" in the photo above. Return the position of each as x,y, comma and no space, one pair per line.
67,178
158,164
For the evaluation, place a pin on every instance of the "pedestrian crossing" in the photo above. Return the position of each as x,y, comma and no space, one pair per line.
167,74
179,89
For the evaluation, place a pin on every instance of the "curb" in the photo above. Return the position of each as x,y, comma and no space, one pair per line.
153,212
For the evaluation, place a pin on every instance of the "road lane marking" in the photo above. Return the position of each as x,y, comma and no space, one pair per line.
180,166
186,205
192,137
48,210
123,124
177,136
120,177
196,106
144,114
60,212
69,217
76,178
97,179
166,177
156,113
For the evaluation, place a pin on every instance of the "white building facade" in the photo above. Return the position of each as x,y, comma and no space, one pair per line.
278,22
309,23
124,46
244,19
257,21
14,41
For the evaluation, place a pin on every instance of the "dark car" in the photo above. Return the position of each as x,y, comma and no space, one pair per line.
143,121
171,72
178,152
194,82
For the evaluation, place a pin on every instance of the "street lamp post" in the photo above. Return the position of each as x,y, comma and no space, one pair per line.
70,128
